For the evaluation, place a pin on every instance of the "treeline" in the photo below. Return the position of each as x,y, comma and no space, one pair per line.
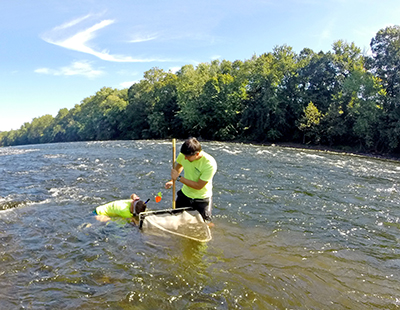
341,98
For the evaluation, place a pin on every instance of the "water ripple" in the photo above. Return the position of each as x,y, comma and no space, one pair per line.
294,229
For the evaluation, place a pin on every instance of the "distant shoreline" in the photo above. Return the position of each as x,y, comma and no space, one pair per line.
323,148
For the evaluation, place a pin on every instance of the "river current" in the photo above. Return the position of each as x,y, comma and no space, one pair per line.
294,229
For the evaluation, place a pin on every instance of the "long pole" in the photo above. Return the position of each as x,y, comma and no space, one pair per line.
173,167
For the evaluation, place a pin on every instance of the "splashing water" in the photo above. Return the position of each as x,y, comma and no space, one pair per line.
294,229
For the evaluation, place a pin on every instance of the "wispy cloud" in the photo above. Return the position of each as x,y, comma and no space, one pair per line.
79,40
141,38
76,68
71,23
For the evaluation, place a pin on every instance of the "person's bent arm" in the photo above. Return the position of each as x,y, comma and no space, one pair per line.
175,172
134,221
196,185
102,218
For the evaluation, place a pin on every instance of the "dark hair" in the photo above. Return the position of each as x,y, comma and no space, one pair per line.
190,147
140,207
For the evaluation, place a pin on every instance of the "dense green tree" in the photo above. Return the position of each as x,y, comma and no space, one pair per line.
58,131
113,108
337,123
318,80
21,135
143,97
163,120
385,65
347,58
73,125
218,108
99,116
309,123
287,111
339,98
36,130
385,61
269,113
190,85
363,108
256,117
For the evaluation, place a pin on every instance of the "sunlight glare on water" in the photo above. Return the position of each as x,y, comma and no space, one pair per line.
294,229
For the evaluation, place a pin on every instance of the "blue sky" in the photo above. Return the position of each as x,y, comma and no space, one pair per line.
55,53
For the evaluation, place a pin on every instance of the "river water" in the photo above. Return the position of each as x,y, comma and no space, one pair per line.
294,229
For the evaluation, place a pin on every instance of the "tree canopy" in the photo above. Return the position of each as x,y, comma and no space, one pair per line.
340,98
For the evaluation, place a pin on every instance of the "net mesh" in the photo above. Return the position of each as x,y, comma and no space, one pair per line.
184,222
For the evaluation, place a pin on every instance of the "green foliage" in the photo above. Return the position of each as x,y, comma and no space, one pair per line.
99,116
162,120
310,121
217,110
338,98
385,66
152,106
385,61
312,117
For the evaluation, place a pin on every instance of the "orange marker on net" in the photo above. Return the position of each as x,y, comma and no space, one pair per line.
158,197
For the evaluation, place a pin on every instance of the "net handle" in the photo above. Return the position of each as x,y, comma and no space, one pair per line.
173,167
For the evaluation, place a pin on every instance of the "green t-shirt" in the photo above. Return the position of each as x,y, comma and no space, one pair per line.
203,169
116,208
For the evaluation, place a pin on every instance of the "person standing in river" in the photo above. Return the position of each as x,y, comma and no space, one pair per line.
199,169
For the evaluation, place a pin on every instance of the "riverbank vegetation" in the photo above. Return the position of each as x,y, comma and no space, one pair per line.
342,99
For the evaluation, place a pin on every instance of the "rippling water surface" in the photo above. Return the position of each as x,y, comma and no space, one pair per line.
294,229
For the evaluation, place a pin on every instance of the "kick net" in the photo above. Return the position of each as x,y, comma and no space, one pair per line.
183,222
